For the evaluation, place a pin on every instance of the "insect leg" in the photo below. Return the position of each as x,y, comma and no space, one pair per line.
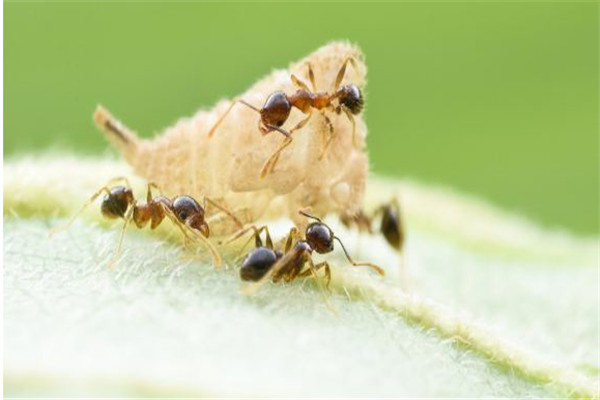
351,118
225,210
313,271
186,230
311,76
320,265
103,189
127,218
296,81
342,72
275,156
329,137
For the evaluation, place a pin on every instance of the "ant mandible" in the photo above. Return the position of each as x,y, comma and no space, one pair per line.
184,211
278,106
263,262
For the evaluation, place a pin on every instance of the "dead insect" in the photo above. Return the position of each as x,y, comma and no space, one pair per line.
185,160
264,263
276,110
184,211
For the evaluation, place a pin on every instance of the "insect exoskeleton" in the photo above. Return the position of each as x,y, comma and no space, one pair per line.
183,210
228,165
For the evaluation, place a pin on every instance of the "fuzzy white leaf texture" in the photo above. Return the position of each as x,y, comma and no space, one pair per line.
490,305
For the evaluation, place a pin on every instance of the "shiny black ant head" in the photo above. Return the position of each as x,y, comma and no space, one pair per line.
351,97
115,204
258,262
320,237
391,228
190,213
276,109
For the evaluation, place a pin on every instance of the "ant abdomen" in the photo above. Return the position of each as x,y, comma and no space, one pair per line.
258,262
391,228
116,202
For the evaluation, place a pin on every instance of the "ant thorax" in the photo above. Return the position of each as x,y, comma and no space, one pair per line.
228,165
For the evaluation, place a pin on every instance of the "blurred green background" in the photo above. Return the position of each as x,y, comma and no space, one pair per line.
498,99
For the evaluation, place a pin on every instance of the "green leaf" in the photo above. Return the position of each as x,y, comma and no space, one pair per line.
495,307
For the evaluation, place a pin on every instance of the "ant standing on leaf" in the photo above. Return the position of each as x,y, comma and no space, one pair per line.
183,211
391,225
278,106
264,263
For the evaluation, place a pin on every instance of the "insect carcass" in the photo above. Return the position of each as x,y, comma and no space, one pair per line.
227,166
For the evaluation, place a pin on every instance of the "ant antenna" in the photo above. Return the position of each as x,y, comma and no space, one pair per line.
302,212
376,268
212,130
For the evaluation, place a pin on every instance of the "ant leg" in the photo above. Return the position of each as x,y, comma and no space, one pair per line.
313,272
289,255
225,210
374,267
351,118
127,218
251,288
320,265
342,72
105,189
329,137
257,241
311,76
296,81
185,229
149,191
212,130
266,168
293,235
275,156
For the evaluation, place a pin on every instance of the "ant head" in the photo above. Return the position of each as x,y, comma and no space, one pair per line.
276,109
190,213
351,97
390,227
258,262
115,204
320,237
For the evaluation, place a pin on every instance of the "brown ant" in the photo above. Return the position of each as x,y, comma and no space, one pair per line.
391,225
182,210
263,262
278,106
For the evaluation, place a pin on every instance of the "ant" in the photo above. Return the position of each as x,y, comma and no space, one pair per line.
278,106
263,262
391,225
184,211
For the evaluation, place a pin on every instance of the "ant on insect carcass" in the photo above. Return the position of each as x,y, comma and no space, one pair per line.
184,211
264,262
276,110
